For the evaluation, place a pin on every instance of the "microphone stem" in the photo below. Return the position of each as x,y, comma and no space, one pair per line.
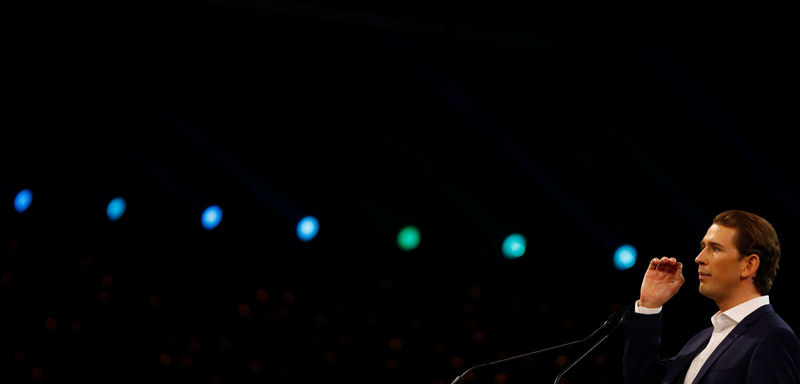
589,350
524,355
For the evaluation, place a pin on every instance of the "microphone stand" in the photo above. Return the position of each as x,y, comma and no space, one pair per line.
524,355
621,320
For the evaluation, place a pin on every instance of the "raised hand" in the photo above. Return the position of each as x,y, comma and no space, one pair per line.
662,280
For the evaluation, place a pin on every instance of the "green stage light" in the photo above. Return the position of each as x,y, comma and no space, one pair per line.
408,238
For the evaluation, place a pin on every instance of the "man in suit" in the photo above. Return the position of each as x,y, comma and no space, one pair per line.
748,342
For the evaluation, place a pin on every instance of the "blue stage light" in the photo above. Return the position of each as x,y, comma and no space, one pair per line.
23,200
211,217
514,246
307,228
115,209
625,257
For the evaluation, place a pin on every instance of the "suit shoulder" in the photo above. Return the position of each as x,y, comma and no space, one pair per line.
772,326
773,319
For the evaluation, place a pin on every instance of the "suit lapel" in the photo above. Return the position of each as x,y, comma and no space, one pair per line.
681,364
726,342
737,331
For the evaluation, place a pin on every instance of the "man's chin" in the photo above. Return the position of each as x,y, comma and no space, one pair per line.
704,291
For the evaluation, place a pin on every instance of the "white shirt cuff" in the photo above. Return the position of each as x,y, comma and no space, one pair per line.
646,311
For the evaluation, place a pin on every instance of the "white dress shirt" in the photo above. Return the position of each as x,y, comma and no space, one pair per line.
723,323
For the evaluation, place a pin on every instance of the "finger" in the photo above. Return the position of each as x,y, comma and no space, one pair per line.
653,264
660,263
669,264
668,267
673,265
675,269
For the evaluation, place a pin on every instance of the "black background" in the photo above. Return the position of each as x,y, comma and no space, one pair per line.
582,126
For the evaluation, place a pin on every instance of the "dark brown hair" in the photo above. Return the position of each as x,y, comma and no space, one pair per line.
755,235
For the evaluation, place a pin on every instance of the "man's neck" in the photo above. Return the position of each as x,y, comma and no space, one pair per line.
734,300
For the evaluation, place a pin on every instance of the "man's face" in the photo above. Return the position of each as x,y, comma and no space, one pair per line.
719,266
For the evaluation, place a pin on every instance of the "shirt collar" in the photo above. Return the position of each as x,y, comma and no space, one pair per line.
739,312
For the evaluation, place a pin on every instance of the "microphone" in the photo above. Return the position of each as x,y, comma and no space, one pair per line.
614,318
623,315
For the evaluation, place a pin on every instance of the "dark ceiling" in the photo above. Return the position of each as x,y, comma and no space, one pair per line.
470,120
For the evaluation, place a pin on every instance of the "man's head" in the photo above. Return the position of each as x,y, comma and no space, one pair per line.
739,253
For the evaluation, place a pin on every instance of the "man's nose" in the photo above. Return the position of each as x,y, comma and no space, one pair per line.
700,259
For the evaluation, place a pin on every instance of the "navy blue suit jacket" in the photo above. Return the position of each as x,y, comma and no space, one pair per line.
762,348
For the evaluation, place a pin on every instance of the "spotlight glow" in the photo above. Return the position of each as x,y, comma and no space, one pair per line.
307,228
408,238
625,257
23,200
514,246
115,209
211,217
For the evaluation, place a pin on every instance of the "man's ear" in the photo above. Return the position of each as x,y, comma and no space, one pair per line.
749,266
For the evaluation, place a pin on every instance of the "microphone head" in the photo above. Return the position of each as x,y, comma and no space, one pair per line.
621,315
